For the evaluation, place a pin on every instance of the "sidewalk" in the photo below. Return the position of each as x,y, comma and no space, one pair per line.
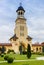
19,60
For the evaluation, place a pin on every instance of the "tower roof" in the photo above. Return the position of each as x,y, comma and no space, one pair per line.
14,37
29,38
20,8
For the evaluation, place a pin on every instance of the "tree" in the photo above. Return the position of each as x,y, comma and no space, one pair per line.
3,49
43,49
28,51
20,49
0,51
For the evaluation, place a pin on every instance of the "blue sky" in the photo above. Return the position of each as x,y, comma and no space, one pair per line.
34,15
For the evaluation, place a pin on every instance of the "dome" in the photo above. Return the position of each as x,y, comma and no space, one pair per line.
20,8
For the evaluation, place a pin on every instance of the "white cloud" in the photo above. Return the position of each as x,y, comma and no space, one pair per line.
6,31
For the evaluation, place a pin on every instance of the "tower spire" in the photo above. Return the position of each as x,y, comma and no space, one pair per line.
20,4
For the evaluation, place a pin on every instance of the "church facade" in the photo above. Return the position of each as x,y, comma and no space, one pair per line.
20,37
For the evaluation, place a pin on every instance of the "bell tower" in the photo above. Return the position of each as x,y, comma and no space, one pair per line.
20,37
20,28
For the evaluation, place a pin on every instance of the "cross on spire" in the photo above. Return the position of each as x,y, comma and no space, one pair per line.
20,4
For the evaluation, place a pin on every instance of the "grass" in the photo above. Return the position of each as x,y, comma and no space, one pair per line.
20,57
25,63
23,57
1,58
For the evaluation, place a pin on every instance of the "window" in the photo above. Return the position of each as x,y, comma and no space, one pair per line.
21,34
22,28
36,49
21,13
40,49
18,13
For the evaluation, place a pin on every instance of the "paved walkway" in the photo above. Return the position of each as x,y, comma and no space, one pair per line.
3,61
19,60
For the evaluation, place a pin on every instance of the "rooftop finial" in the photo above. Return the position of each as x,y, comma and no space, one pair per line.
20,4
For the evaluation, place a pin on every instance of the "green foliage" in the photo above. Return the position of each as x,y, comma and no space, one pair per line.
6,57
43,49
43,54
28,51
3,49
0,49
2,55
24,52
10,51
10,59
20,49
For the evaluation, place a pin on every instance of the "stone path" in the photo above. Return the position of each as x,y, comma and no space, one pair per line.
3,61
40,58
19,60
24,60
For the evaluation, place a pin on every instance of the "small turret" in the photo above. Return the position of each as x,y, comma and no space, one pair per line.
20,11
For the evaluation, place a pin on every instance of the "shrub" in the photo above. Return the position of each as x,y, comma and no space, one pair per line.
14,52
24,52
43,54
3,49
10,51
28,51
6,57
10,59
2,55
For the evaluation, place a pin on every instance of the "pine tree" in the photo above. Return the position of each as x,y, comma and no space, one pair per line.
20,49
28,51
3,49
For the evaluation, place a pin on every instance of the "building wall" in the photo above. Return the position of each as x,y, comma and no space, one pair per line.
21,32
37,48
7,48
18,31
17,43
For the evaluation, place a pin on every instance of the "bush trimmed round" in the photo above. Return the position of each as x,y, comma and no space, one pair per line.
10,59
6,57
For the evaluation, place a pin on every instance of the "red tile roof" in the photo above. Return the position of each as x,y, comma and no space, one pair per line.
36,44
9,44
5,44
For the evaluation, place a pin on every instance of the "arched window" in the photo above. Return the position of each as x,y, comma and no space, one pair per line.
40,48
21,13
18,13
36,49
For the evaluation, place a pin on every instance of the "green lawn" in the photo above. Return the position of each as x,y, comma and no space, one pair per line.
23,57
20,57
25,63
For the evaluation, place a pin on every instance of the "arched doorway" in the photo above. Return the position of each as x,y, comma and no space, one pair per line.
21,48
